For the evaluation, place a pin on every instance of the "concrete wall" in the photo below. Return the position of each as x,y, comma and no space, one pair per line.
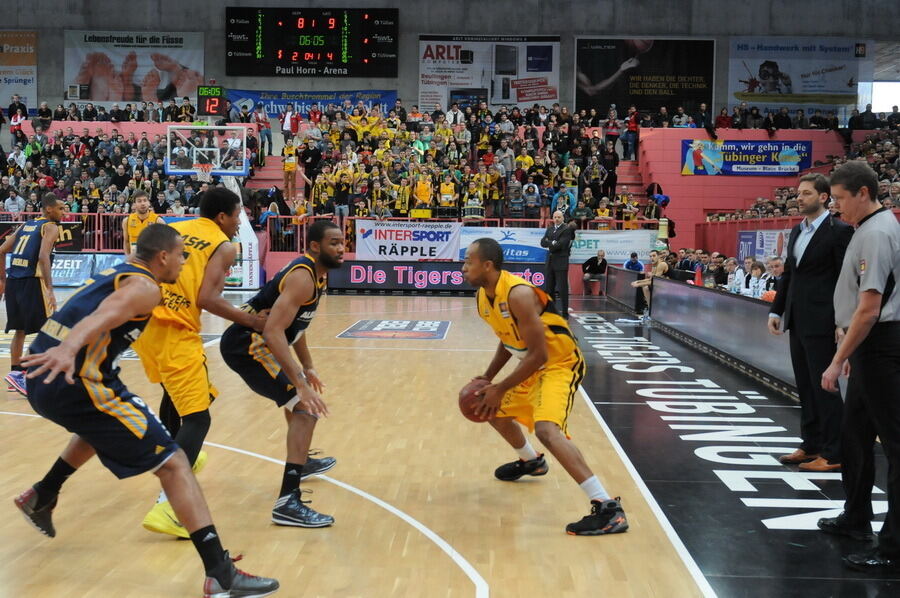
874,19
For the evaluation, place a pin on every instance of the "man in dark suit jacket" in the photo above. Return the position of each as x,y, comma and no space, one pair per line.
558,241
804,305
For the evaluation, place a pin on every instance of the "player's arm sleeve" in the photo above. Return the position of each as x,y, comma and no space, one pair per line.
878,255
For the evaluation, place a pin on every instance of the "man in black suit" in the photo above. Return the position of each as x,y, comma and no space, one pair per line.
558,241
804,305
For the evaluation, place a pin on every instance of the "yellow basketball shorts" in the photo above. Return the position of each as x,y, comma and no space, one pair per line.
174,357
547,395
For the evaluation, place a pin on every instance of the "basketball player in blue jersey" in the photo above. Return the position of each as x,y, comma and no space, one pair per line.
265,362
29,288
73,380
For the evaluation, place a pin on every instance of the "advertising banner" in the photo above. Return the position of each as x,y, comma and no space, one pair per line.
744,158
18,66
648,73
397,241
618,245
71,270
132,66
415,276
518,244
71,234
275,101
799,72
498,70
763,244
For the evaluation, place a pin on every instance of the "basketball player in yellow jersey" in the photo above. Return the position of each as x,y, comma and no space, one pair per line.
540,391
171,349
137,221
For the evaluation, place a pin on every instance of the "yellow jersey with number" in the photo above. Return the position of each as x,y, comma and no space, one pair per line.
136,226
561,345
179,306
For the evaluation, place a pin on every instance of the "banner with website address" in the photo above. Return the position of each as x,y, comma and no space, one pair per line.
18,67
276,101
497,70
811,73
618,245
396,241
763,244
104,67
744,158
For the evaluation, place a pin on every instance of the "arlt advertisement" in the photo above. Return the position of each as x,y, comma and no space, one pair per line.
415,276
799,72
497,70
397,241
18,66
518,244
744,158
648,73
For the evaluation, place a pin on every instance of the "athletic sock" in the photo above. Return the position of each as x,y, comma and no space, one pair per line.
209,547
291,479
594,489
49,487
526,452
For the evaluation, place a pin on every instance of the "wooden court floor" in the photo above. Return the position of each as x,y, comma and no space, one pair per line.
418,512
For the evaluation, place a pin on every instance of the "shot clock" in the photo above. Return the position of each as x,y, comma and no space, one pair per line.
311,42
211,101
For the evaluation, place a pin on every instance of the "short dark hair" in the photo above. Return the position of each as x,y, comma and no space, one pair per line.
317,230
217,201
855,175
140,193
819,181
49,200
153,239
489,250
634,254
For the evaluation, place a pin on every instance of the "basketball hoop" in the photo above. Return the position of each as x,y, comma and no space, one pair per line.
204,172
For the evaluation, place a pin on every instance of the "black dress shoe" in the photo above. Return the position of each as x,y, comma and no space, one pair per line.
841,527
873,561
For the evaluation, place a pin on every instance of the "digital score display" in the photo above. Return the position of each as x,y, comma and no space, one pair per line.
211,101
311,42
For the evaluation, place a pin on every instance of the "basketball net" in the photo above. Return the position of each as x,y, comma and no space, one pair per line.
204,172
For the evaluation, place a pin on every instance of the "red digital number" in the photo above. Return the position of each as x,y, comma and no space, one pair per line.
332,23
294,56
212,105
301,23
308,56
330,55
280,54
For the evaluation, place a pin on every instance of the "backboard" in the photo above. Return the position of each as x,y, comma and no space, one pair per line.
190,147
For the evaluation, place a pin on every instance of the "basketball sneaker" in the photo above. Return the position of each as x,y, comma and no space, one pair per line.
290,509
510,472
316,466
41,519
200,463
607,517
162,520
16,382
240,584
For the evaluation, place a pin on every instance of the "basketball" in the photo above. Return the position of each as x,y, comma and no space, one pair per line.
639,46
469,399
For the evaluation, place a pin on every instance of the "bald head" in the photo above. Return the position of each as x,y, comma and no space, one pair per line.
558,218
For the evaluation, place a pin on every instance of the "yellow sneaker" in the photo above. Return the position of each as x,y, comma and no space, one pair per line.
162,520
200,463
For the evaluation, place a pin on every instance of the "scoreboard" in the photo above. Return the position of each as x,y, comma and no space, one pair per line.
211,101
311,42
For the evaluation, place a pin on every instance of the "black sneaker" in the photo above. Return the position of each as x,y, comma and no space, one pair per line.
510,472
841,527
41,519
291,510
239,584
607,517
316,466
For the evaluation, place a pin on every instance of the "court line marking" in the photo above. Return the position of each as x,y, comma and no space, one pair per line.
481,586
482,590
677,544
